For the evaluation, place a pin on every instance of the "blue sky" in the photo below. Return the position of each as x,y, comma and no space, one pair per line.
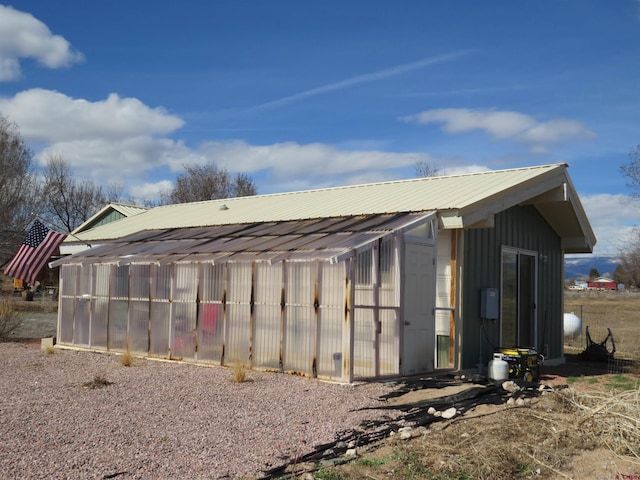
313,94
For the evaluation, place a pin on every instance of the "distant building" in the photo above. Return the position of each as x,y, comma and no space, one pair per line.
602,283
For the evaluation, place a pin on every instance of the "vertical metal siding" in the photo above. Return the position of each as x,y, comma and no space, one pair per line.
267,308
520,227
300,324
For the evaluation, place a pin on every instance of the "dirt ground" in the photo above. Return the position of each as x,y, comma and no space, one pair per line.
546,436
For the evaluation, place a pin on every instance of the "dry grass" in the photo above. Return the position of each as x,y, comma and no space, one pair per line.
239,372
126,359
535,441
50,350
10,319
618,311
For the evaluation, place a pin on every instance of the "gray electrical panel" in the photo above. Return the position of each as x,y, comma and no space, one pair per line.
489,303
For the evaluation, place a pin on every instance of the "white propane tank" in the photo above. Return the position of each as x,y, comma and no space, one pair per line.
498,368
572,325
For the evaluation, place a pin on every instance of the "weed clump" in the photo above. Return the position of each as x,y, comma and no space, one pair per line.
99,381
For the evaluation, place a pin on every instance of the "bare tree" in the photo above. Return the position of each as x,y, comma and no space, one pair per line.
425,169
631,170
19,194
628,269
208,182
69,202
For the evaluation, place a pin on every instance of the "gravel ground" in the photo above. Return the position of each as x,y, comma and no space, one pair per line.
162,420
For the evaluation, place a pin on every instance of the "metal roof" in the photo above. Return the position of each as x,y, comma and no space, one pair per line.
329,240
462,201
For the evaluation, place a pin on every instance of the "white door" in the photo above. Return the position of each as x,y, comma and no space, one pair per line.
419,309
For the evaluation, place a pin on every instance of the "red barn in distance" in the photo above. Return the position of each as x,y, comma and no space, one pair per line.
602,283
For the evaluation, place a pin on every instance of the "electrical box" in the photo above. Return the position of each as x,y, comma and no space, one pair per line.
489,303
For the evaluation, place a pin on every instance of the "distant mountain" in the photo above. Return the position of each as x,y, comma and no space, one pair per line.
579,266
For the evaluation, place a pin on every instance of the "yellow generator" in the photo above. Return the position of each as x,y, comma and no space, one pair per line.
524,363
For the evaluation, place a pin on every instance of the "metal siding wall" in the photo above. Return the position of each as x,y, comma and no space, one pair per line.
330,320
184,313
519,227
211,314
267,312
300,317
238,313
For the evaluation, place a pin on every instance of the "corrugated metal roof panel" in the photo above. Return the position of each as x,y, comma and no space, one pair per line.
415,195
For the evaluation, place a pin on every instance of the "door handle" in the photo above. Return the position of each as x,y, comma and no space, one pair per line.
407,323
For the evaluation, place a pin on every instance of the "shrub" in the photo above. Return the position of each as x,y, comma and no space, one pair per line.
10,320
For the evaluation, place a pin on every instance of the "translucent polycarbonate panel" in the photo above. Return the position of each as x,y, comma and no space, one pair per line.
266,336
67,310
161,282
99,322
364,337
118,322
364,267
186,283
159,329
363,274
300,317
388,294
68,279
85,280
210,332
82,319
101,284
238,333
183,332
212,282
331,319
139,326
389,342
139,276
239,282
238,319
267,315
120,282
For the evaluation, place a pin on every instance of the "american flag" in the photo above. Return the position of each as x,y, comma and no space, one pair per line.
34,252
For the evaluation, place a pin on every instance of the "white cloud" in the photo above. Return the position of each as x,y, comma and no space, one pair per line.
150,191
314,160
23,36
502,125
613,218
45,115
